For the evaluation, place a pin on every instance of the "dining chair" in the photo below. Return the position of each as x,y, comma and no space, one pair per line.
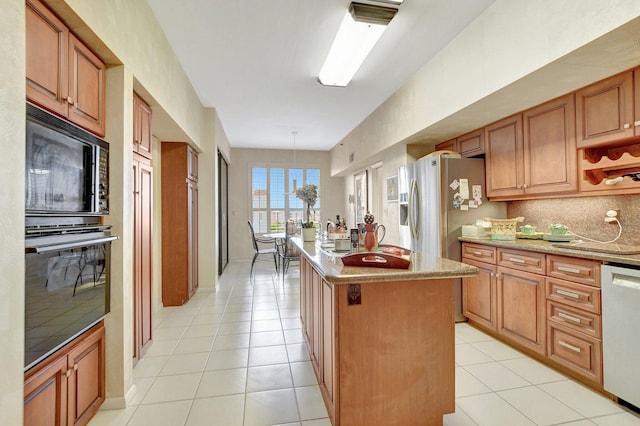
257,243
287,251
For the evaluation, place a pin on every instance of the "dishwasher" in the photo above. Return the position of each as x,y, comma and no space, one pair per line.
620,332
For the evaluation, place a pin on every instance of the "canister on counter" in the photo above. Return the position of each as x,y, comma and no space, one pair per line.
354,240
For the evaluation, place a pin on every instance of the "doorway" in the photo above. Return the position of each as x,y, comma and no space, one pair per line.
223,223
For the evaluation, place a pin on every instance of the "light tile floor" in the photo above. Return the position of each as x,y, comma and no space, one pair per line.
236,357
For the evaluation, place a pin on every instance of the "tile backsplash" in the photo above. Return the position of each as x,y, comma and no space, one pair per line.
584,216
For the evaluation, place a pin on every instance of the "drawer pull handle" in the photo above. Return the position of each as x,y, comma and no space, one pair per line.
569,317
477,253
570,347
516,260
567,269
568,294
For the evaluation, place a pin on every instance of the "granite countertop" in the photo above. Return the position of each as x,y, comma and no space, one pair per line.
422,267
563,249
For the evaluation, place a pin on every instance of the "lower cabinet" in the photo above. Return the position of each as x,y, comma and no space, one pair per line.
547,304
68,387
521,308
479,295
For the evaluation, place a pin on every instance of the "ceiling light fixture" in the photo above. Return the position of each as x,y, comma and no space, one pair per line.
360,30
295,183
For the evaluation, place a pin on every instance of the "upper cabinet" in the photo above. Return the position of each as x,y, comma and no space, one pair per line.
605,111
141,127
550,147
504,157
468,145
63,75
533,153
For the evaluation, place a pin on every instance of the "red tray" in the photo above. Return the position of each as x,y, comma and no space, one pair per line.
388,257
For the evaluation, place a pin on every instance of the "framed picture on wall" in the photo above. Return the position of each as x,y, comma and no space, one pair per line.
392,188
360,187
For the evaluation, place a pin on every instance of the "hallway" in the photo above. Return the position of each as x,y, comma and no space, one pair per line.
236,357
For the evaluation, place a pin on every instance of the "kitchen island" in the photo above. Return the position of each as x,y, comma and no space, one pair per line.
381,341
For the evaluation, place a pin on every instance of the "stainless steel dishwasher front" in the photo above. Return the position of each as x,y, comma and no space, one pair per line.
621,332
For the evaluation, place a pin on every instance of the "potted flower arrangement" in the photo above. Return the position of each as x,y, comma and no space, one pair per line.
309,194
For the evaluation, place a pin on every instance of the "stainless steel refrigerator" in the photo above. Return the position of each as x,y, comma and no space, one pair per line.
437,195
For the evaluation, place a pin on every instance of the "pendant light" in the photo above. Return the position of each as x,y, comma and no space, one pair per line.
295,183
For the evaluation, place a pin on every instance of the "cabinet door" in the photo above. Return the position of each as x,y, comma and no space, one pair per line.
86,87
451,145
550,163
143,265
45,395
328,340
471,144
47,39
504,157
141,127
604,111
87,382
316,346
479,295
192,232
521,308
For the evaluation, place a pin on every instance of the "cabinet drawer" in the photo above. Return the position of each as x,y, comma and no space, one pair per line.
478,252
522,260
575,319
578,270
573,294
576,351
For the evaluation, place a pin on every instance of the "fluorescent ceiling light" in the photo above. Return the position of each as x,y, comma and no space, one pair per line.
360,30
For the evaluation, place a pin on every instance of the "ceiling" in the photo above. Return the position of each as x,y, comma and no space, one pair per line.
257,61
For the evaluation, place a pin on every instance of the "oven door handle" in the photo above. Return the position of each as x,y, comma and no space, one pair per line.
70,245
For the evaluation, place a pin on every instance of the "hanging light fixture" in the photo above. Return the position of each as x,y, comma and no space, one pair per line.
360,30
295,183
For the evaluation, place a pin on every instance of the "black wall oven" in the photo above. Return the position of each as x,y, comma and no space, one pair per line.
66,167
67,281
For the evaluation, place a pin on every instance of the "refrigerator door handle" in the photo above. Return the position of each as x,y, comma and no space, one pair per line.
414,210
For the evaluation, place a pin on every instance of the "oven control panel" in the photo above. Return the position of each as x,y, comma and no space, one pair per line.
103,181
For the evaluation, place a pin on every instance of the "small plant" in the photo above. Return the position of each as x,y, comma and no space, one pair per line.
309,194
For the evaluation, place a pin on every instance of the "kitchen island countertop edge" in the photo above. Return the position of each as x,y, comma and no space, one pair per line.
422,267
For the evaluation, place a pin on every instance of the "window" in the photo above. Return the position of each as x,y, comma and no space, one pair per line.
273,200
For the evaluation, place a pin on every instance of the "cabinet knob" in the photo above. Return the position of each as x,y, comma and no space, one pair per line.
525,186
69,100
626,125
636,123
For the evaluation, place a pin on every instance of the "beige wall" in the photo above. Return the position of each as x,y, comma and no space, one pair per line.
12,134
331,190
127,36
515,55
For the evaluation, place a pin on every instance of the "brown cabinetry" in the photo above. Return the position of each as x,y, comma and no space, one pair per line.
508,296
143,229
358,348
548,304
468,145
479,300
141,127
574,320
63,75
68,387
142,255
521,308
504,158
605,111
533,153
179,223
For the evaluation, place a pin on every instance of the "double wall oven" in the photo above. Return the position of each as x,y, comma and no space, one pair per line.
67,243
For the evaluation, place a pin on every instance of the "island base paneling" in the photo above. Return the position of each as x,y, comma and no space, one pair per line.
387,357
